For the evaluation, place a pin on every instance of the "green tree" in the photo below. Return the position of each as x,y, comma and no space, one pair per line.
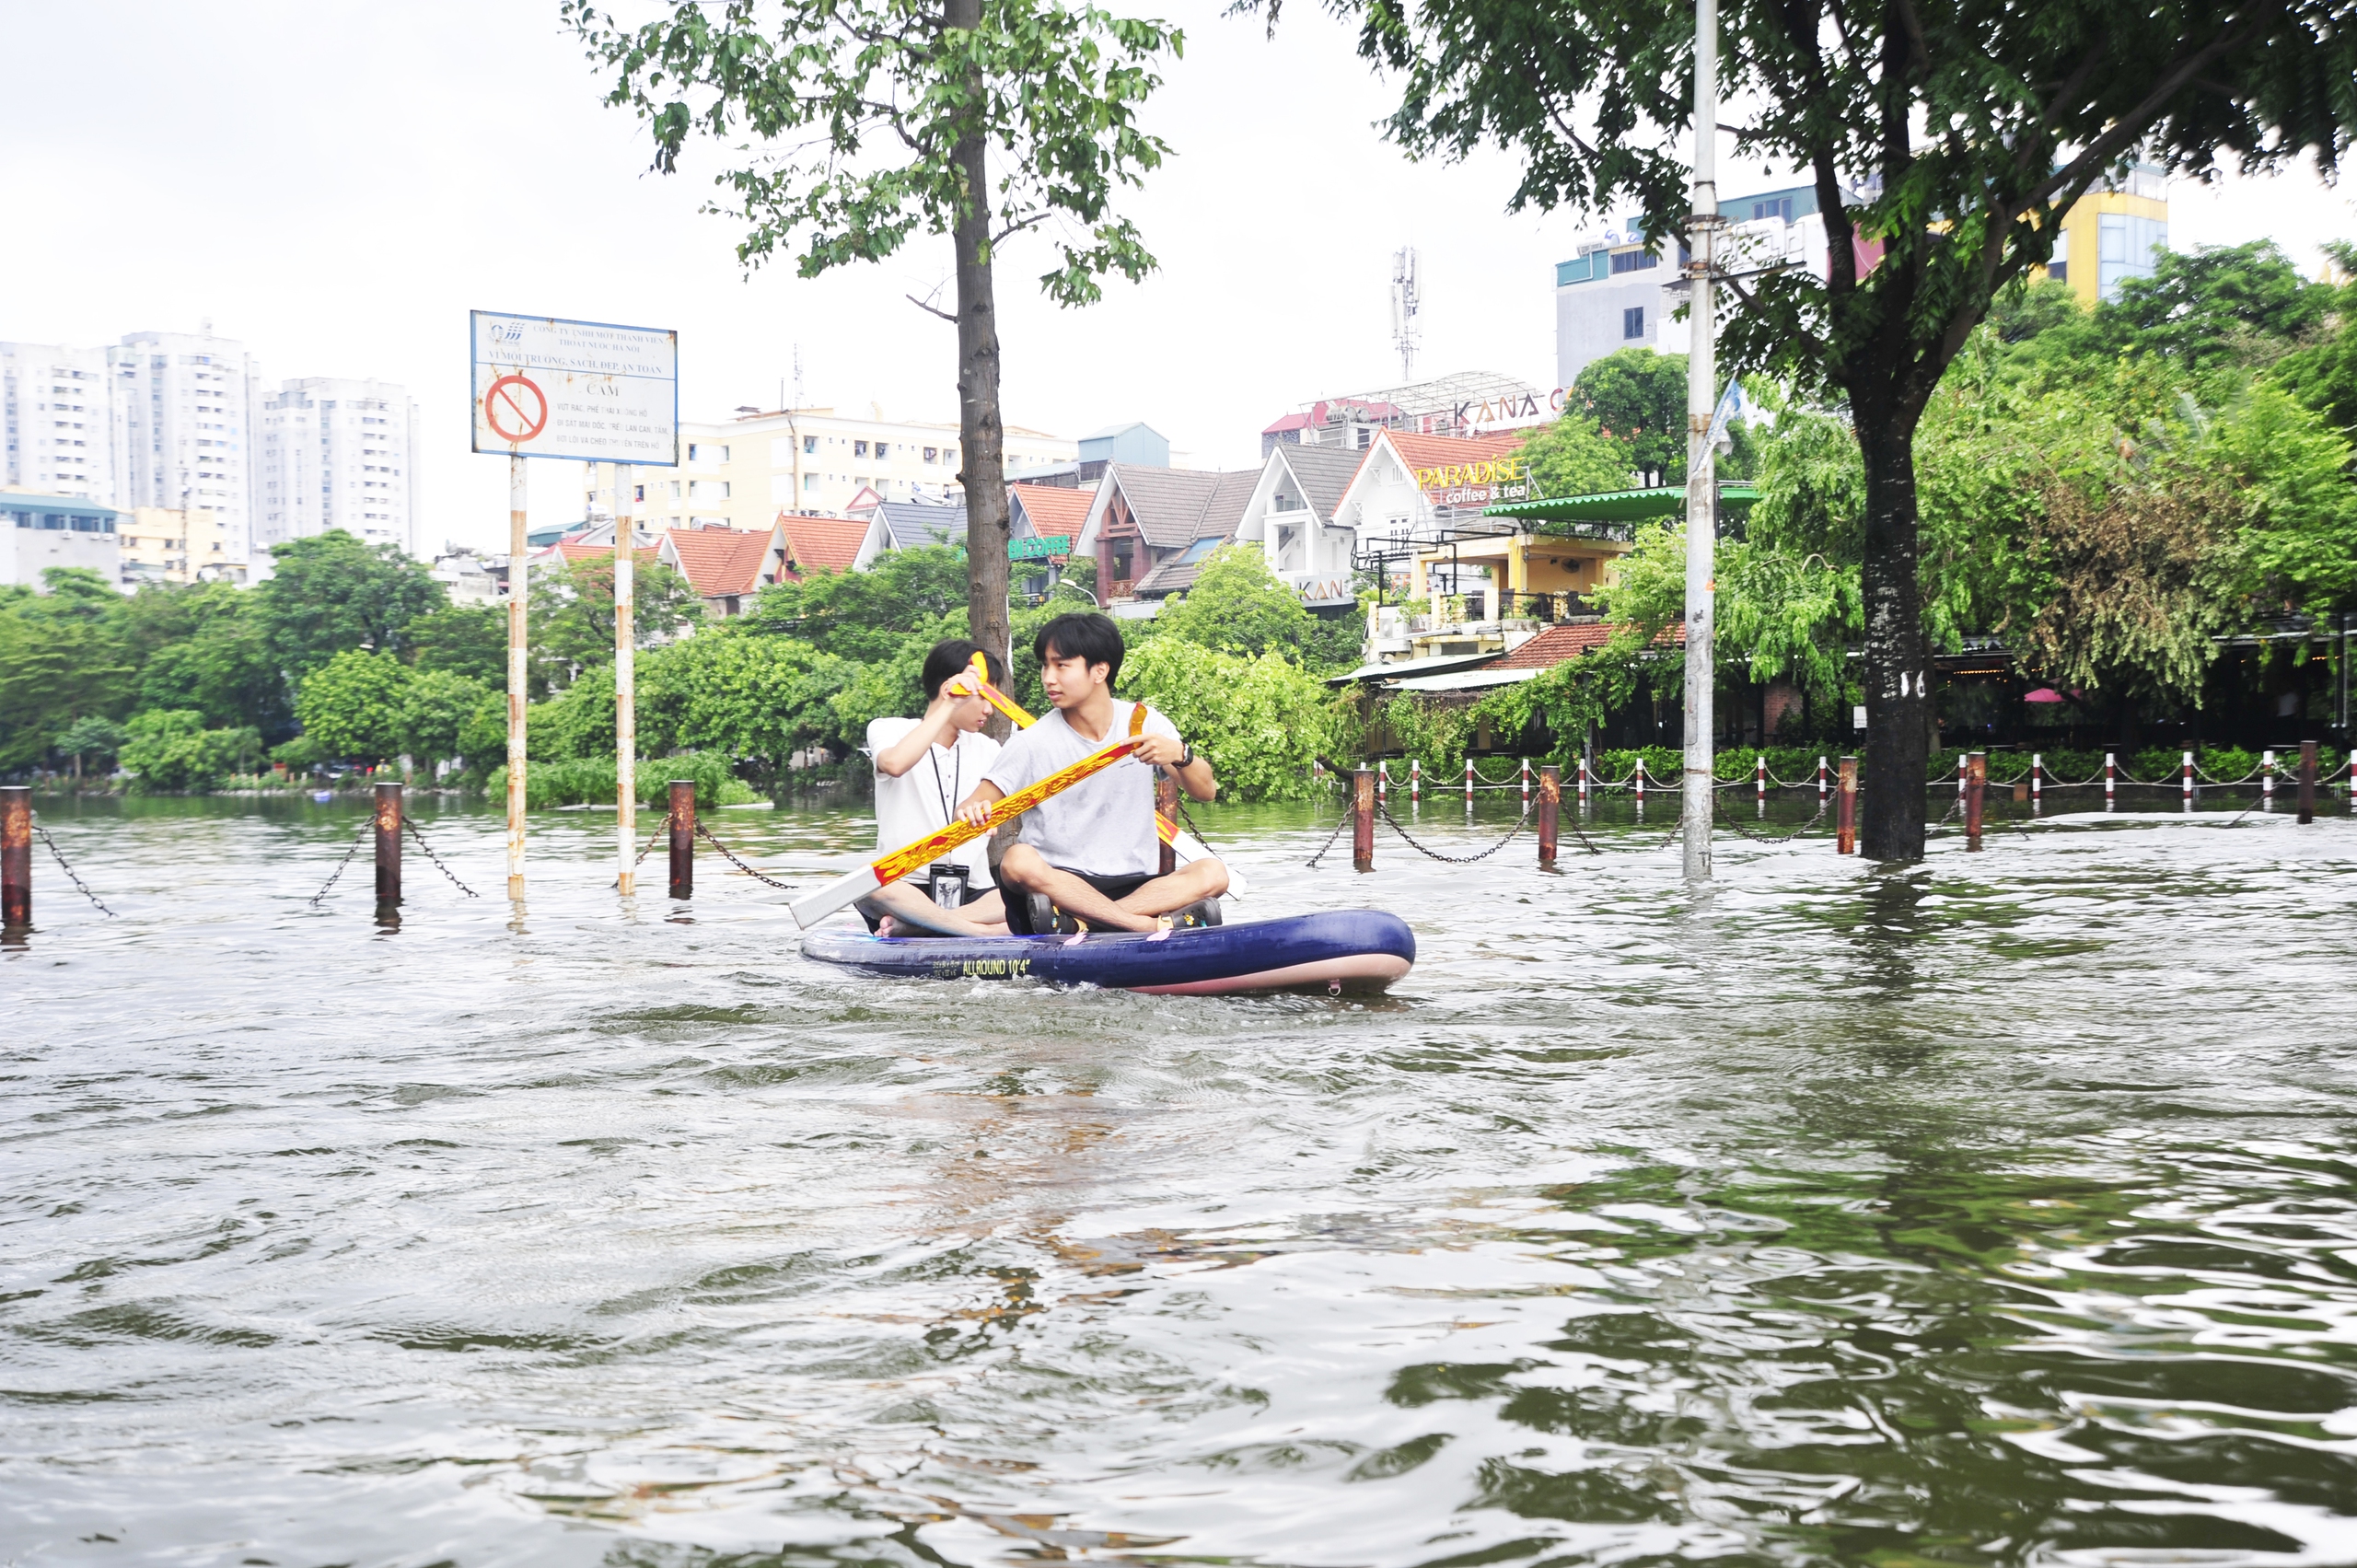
867,615
1638,398
61,659
2324,375
169,749
1260,720
331,592
465,639
355,705
1237,605
757,699
2245,305
1574,456
857,124
436,706
92,741
573,616
201,645
1944,144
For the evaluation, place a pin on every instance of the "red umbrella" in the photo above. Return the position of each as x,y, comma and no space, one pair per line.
2046,694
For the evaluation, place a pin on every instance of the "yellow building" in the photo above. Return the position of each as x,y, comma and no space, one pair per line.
2110,236
171,545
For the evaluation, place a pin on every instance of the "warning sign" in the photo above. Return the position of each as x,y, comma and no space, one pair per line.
546,387
516,409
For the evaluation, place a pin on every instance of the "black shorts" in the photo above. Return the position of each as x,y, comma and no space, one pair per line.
1018,906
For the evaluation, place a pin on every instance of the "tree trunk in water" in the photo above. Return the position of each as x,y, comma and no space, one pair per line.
1891,825
981,432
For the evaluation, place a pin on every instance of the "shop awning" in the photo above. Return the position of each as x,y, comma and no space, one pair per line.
1616,505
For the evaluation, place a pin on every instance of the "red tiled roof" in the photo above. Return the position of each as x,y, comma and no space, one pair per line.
823,544
1557,644
722,562
1054,510
573,549
1440,451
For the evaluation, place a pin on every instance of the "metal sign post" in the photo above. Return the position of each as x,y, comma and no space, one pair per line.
587,392
1702,488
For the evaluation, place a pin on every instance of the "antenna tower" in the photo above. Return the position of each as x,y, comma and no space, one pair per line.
1405,304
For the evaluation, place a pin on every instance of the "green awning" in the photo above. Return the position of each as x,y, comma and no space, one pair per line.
1618,506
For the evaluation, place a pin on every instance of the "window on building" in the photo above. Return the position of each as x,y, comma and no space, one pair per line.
1634,261
707,490
859,448
1778,208
883,449
809,482
1633,322
706,452
932,454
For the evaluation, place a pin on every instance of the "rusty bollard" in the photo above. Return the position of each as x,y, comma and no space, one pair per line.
388,845
1165,810
1976,791
1550,801
2307,781
683,838
1362,819
1845,836
16,855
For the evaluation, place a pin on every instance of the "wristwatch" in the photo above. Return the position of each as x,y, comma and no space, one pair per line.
1186,753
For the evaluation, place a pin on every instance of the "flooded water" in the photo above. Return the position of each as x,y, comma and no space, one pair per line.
1998,1210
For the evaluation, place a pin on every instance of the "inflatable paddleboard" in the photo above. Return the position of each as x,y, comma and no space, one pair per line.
1358,950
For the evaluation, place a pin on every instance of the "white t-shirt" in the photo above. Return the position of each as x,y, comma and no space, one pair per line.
921,800
1104,824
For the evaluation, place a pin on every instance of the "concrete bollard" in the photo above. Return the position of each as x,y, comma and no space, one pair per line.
2110,779
683,839
388,845
1550,801
1415,782
1582,782
1526,781
1469,783
1363,819
2267,780
16,855
1845,834
2036,782
1382,779
2307,781
1975,792
1821,788
1638,779
2189,781
1760,779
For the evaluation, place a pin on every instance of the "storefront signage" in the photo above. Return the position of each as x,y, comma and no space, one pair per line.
1052,546
1475,484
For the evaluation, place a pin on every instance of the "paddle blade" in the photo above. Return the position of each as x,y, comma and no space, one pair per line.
840,894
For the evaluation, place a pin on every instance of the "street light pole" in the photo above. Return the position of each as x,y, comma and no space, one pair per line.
1701,486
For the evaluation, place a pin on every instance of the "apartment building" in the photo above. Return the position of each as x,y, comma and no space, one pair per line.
184,411
172,545
337,454
743,472
56,421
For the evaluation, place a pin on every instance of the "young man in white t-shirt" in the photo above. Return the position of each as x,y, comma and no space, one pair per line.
1092,849
924,767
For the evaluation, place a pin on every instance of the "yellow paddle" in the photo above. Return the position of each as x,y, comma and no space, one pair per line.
885,869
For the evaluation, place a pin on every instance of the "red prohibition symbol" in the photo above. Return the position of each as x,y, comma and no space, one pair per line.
516,409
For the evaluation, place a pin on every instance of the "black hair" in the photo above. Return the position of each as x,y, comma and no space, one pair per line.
1090,638
951,654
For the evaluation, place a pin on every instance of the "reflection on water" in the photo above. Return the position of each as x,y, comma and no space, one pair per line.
1994,1211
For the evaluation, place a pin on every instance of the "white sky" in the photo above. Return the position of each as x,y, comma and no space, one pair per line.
337,184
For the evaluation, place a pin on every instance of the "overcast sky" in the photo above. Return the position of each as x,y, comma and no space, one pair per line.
337,184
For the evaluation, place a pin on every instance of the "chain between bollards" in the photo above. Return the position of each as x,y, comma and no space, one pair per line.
367,827
79,886
412,829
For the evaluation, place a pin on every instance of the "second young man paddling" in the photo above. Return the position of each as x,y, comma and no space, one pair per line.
924,767
1092,851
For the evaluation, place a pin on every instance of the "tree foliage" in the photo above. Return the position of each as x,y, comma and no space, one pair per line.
331,592
572,615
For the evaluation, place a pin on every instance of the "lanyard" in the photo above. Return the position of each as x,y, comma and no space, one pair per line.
956,762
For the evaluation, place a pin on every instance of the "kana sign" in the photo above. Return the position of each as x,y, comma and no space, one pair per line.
591,392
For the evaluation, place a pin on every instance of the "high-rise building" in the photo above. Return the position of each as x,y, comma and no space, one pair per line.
55,412
336,454
184,419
